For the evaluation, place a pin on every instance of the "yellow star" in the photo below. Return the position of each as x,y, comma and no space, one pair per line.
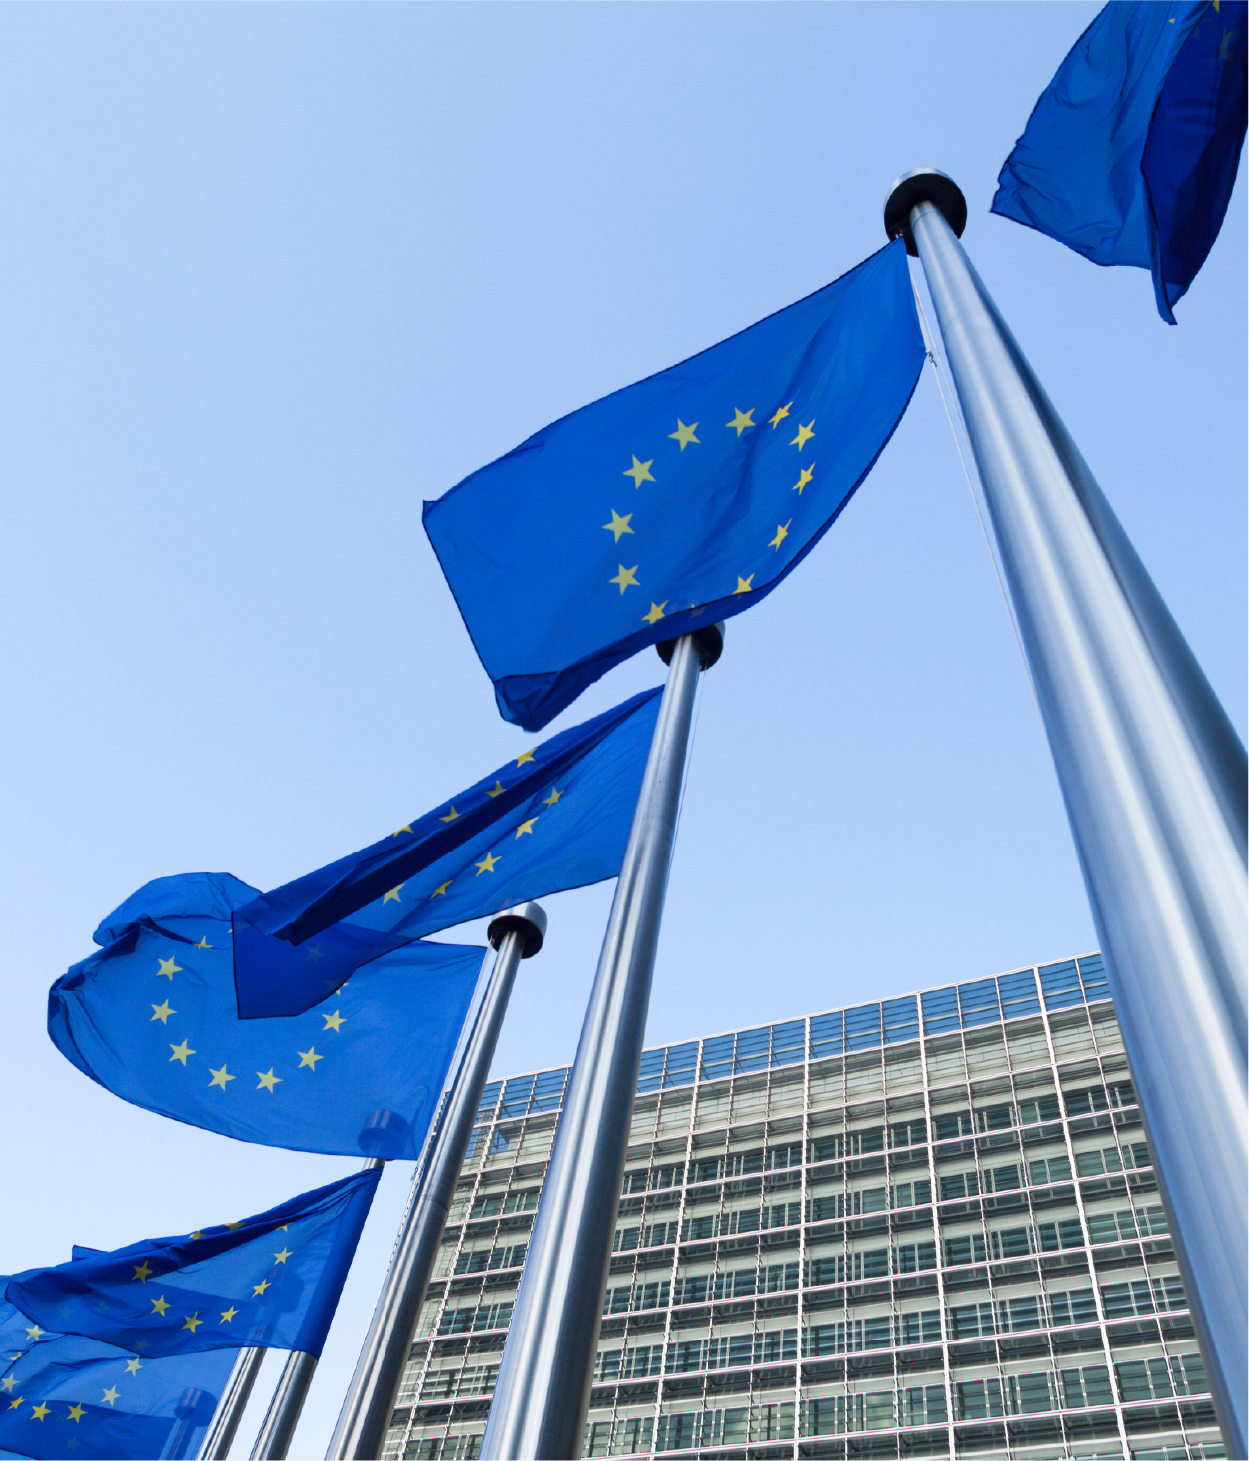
553,798
314,953
309,1057
442,888
76,1413
34,1333
282,1256
168,968
781,413
39,1411
781,534
496,790
404,828
525,756
180,1052
111,1394
268,1080
804,478
451,815
684,434
744,585
8,1382
160,1305
639,471
196,1234
618,525
258,1289
626,577
193,1322
203,944
486,865
227,1315
142,1272
134,1366
392,894
219,1077
233,1226
162,1012
656,612
526,827
13,1404
805,433
334,1021
741,419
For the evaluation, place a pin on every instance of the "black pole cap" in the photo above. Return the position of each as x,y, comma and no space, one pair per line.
526,919
923,185
710,642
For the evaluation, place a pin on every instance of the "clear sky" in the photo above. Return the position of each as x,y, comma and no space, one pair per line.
271,275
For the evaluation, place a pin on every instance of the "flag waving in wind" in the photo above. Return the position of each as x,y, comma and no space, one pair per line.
152,1017
680,500
271,1280
556,816
1130,154
62,1395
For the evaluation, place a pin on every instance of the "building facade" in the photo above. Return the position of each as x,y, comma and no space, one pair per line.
923,1227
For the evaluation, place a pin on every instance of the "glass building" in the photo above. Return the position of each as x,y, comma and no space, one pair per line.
923,1227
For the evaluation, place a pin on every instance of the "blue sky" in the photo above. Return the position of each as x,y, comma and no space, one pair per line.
271,275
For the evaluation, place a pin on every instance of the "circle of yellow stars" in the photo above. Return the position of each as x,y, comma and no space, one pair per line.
621,524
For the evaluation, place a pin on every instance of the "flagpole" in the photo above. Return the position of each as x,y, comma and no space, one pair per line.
540,1398
515,934
277,1430
225,1422
1151,771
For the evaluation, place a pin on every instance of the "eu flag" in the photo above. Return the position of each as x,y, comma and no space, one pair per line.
1130,154
556,816
62,1395
680,500
152,1017
271,1280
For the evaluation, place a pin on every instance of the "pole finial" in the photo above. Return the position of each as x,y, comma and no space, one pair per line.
923,185
710,643
527,919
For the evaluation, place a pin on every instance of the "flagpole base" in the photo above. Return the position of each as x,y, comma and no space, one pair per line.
923,185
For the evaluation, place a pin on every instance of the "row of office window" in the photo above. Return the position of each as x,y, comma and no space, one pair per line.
959,1255
866,1027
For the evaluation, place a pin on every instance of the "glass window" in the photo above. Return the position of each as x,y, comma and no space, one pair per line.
940,1008
1060,984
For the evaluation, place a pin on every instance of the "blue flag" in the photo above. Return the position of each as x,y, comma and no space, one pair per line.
1130,154
272,1280
555,817
62,1395
680,500
152,1017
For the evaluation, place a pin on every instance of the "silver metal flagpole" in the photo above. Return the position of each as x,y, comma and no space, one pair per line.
1151,771
515,935
544,1378
277,1430
225,1422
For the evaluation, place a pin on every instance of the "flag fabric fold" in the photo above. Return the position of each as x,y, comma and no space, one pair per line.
152,1017
63,1395
1131,152
679,500
556,816
271,1280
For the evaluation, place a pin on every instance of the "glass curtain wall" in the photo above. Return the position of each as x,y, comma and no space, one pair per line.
922,1227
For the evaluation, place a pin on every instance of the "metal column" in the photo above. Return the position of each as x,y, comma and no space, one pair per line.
544,1379
1151,771
225,1421
515,934
277,1430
